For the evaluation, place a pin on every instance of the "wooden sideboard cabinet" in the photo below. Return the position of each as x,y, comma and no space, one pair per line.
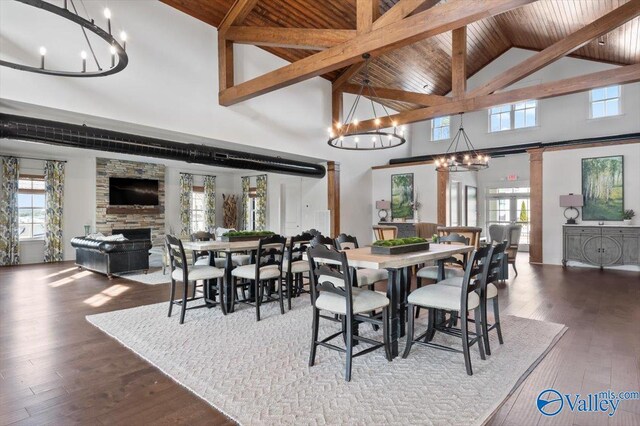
601,245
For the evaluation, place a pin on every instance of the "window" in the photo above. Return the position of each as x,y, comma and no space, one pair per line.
515,116
197,209
441,128
251,208
31,206
605,101
524,114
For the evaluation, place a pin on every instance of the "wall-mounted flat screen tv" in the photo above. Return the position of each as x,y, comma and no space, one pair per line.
129,192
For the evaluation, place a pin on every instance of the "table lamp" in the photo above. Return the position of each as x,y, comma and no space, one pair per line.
383,207
571,201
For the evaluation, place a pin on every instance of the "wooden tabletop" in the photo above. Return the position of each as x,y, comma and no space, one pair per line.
363,258
221,245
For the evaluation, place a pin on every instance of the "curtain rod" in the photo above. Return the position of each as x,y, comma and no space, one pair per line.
33,158
196,174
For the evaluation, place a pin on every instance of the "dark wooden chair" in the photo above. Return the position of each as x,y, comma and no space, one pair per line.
263,275
364,277
452,299
332,291
320,239
182,271
489,291
294,266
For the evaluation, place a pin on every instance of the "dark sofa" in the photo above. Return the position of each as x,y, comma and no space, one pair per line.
112,257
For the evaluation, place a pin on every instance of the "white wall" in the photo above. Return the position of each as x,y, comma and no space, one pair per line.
560,118
562,174
172,83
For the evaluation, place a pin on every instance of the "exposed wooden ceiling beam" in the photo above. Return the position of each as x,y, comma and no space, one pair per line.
398,95
367,11
451,15
347,75
565,46
236,14
401,10
459,62
622,75
225,63
298,38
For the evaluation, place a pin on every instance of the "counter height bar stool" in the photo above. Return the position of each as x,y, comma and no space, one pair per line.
452,299
182,271
294,266
432,272
265,272
332,291
364,277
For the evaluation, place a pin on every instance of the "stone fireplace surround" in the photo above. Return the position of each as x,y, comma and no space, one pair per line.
129,217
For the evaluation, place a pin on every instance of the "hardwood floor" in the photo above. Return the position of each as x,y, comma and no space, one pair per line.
56,368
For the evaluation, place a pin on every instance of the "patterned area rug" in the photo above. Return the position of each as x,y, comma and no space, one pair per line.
150,278
257,372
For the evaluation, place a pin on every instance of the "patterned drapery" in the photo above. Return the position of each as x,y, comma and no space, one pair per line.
209,203
186,187
261,202
9,230
54,194
245,201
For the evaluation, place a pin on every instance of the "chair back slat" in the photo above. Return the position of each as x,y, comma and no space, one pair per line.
473,275
177,256
346,242
298,245
456,239
493,267
270,252
327,265
322,240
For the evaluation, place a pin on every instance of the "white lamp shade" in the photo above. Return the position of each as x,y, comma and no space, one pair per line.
383,205
571,200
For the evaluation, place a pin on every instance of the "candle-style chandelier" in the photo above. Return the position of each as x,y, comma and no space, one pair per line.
119,58
465,159
347,136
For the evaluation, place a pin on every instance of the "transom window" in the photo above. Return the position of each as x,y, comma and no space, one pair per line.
31,206
441,128
197,209
605,101
514,116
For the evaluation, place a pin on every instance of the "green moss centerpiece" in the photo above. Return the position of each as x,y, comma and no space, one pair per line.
400,246
233,236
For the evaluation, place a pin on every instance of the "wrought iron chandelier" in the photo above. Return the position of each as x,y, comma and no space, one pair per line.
465,160
347,136
119,58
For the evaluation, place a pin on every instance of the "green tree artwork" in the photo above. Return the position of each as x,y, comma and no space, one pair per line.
603,188
402,196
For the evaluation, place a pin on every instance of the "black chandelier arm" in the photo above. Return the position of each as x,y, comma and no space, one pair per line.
350,114
333,142
123,58
84,32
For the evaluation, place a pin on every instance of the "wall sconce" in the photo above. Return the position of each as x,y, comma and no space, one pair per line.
571,201
383,209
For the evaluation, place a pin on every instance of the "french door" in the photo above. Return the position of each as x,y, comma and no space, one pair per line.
507,206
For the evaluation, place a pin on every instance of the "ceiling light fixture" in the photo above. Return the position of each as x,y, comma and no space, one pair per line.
467,159
116,50
347,136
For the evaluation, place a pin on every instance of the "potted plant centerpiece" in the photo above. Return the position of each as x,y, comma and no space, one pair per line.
400,246
628,216
233,236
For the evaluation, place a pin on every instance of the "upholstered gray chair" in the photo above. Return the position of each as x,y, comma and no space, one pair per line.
511,234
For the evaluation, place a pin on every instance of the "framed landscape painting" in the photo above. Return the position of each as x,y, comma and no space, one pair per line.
402,196
603,188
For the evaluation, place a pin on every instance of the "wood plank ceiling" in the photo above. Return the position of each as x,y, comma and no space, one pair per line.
425,67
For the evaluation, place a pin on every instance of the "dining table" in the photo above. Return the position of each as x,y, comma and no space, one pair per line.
398,284
396,265
228,249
